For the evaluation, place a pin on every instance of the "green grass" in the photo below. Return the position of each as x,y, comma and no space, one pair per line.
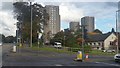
99,52
50,49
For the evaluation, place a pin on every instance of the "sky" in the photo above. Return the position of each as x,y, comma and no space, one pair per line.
70,10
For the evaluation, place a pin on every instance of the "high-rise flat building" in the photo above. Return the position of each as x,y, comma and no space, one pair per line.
88,22
74,26
118,18
53,25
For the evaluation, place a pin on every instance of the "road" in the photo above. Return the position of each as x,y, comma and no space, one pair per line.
28,57
0,56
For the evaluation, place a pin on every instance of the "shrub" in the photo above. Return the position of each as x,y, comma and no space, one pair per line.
87,48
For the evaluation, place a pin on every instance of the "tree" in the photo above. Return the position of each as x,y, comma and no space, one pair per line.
78,33
23,14
80,40
70,39
112,30
2,38
10,39
59,37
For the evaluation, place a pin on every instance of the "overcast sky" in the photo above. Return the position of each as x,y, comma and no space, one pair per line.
70,10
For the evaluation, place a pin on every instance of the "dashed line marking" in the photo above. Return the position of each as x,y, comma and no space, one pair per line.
58,65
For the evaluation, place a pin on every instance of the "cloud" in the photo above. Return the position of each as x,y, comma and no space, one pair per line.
7,22
7,29
103,11
6,6
110,25
69,12
77,0
98,9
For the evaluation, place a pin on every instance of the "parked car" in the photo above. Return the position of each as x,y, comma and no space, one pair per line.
117,58
57,45
108,51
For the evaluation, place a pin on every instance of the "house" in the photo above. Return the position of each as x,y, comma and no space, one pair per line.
102,41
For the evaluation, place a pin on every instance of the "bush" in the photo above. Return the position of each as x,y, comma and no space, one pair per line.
74,49
87,48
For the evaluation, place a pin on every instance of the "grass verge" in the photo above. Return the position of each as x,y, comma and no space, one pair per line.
99,52
51,49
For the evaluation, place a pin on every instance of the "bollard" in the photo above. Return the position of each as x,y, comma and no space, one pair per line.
14,48
79,56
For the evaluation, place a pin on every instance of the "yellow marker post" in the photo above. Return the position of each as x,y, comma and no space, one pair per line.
79,56
20,44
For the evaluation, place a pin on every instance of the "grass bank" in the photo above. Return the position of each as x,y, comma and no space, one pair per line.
99,52
51,49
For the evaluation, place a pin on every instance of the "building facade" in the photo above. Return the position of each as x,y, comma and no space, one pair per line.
74,26
53,25
88,22
103,41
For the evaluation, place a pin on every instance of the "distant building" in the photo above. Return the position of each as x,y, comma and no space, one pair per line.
74,26
88,22
53,25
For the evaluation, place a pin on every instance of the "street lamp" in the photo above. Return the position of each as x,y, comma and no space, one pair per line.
31,23
117,30
83,27
64,40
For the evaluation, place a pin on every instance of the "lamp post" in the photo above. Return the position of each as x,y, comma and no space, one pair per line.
83,27
117,30
64,41
31,23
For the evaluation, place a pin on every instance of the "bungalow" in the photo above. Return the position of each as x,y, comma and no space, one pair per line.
102,41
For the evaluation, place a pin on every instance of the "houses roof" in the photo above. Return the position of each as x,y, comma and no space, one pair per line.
98,37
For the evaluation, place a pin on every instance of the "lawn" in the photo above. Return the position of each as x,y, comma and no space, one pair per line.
52,49
99,52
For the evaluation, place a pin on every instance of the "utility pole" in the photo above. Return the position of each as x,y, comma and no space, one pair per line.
117,31
31,25
83,40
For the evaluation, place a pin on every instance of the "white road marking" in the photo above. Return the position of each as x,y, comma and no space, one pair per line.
108,63
58,65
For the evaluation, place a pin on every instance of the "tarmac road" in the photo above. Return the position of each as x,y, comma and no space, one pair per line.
28,57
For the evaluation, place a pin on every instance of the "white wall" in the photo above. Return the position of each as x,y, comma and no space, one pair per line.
96,44
112,37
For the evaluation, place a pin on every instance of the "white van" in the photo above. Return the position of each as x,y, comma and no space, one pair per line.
57,45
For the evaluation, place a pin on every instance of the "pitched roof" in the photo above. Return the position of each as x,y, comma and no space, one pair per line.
98,37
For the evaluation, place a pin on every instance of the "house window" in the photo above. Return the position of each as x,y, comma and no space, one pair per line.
99,43
111,43
90,43
94,43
